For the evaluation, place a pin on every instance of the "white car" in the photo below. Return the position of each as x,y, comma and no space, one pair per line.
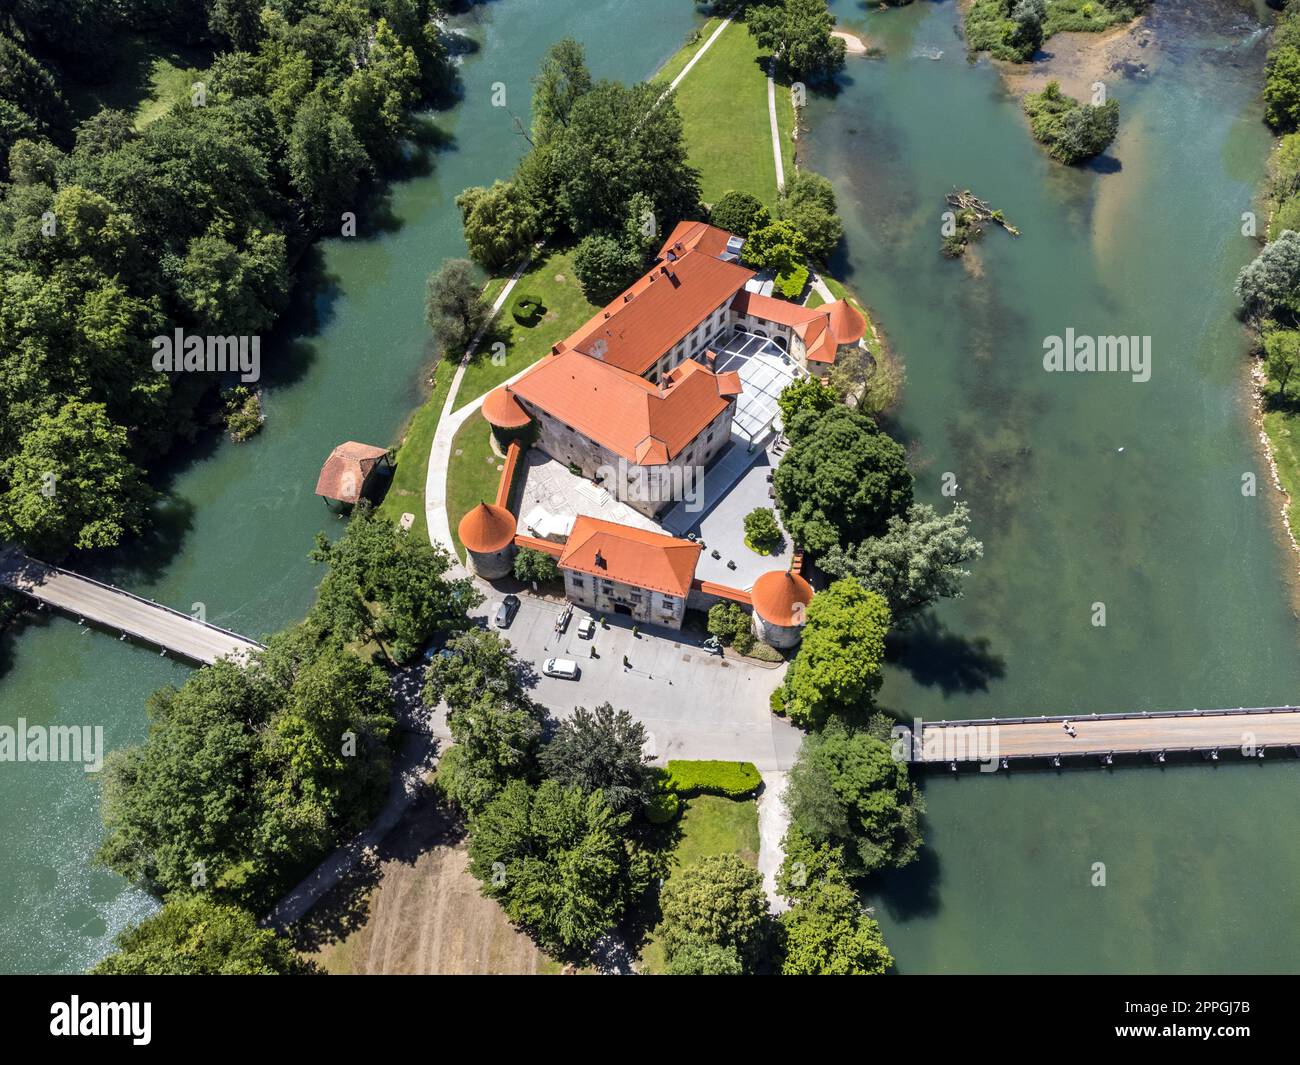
564,668
587,628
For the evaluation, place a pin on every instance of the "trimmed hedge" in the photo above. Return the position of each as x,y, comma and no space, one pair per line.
527,310
734,780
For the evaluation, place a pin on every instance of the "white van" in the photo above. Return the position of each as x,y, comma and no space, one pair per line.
564,668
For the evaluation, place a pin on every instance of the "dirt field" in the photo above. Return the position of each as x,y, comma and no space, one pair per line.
417,909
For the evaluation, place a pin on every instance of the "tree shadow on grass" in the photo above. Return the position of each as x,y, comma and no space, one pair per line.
429,822
937,657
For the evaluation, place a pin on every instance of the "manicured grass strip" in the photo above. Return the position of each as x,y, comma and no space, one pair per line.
552,280
677,63
406,493
472,474
723,102
712,825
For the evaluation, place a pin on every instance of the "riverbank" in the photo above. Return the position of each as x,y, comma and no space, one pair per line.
350,360
1160,532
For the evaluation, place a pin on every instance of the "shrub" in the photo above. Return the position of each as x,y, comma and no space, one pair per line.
776,701
733,780
663,808
527,310
762,533
790,284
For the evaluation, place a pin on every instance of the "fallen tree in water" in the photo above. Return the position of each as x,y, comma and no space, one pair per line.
966,221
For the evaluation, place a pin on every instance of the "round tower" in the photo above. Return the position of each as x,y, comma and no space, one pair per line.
779,599
488,533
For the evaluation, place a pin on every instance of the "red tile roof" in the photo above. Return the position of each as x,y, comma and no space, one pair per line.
630,556
486,528
344,474
644,423
502,410
549,547
847,322
658,310
777,593
690,236
782,312
722,591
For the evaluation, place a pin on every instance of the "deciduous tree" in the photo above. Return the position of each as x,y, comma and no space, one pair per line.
917,561
838,668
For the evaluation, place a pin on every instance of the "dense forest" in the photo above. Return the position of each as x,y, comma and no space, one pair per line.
117,226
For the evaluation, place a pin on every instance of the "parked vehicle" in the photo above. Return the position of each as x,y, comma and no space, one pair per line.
505,612
587,628
562,622
563,668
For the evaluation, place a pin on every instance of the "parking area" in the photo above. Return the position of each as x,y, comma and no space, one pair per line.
692,703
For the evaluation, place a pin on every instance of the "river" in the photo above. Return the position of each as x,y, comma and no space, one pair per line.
347,364
1085,489
1200,863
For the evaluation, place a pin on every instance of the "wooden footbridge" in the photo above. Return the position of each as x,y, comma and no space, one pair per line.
124,613
1097,739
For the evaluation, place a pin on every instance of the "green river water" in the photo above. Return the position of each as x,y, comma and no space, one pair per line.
1201,863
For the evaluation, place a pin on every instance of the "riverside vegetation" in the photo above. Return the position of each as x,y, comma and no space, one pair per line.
1269,286
116,227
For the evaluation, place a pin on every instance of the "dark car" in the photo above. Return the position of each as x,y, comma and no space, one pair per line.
505,612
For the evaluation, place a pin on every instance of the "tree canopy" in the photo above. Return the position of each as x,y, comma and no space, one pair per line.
917,561
556,860
193,935
111,235
248,776
842,479
454,307
603,750
496,725
799,33
847,789
718,902
837,670
386,586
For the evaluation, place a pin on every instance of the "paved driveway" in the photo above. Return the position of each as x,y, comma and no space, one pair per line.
693,704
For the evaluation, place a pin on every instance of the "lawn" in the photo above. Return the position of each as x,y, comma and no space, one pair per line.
148,77
552,280
472,473
694,42
406,493
723,102
709,825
